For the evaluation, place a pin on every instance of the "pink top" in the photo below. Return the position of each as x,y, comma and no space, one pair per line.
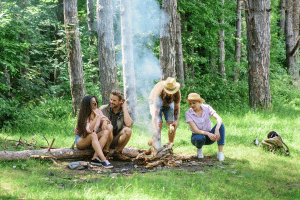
203,123
100,120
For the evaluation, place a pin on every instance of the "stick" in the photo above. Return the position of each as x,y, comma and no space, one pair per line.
5,145
53,161
46,140
32,137
51,145
154,164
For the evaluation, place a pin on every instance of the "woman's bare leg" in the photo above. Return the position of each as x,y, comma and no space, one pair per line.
103,137
221,148
91,139
106,145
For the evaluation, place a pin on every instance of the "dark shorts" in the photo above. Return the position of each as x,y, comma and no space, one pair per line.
77,137
168,112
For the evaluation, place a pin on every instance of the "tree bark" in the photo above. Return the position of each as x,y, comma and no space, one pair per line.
7,77
183,33
222,46
62,153
292,36
282,16
213,63
167,54
191,67
127,57
77,84
179,56
90,17
91,28
60,11
259,38
106,49
238,35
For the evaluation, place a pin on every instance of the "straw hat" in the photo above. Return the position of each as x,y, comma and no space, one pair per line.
194,97
170,85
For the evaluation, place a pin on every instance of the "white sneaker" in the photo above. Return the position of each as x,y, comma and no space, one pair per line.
199,153
220,156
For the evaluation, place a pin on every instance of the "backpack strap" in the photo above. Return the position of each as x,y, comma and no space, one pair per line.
286,151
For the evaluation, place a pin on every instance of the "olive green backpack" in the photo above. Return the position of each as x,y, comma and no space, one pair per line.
275,144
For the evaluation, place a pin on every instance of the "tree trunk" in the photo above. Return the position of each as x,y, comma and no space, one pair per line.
106,49
91,28
259,37
191,65
127,57
213,63
238,35
222,46
282,16
60,11
167,54
62,153
78,90
183,33
179,56
7,77
90,17
292,34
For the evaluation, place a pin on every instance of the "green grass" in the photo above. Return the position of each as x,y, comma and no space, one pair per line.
248,172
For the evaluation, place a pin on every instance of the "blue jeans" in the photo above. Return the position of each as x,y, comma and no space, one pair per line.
77,137
167,110
200,140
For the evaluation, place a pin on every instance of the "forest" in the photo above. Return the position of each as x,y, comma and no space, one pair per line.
241,56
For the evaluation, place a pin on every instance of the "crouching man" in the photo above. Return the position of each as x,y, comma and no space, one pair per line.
121,121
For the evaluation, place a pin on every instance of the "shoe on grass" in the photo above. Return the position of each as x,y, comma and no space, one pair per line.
100,163
106,164
199,153
220,156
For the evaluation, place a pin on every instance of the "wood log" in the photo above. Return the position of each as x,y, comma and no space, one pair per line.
62,153
154,164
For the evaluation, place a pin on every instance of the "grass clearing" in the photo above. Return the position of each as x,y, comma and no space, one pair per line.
248,172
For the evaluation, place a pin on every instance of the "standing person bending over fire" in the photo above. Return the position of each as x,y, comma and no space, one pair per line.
164,98
117,113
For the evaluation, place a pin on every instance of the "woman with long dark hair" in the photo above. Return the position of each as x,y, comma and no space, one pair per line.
89,120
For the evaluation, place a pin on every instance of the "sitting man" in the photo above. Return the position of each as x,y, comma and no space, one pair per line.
164,99
121,121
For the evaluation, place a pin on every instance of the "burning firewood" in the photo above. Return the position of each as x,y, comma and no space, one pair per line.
154,164
154,157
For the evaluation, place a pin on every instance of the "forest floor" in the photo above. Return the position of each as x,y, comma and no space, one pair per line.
127,168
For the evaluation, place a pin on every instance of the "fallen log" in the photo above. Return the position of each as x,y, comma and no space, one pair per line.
62,153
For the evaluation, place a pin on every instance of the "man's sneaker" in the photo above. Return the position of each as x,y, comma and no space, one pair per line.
106,164
119,156
199,153
220,156
99,163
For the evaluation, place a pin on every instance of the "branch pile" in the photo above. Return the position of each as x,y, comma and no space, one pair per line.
153,157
